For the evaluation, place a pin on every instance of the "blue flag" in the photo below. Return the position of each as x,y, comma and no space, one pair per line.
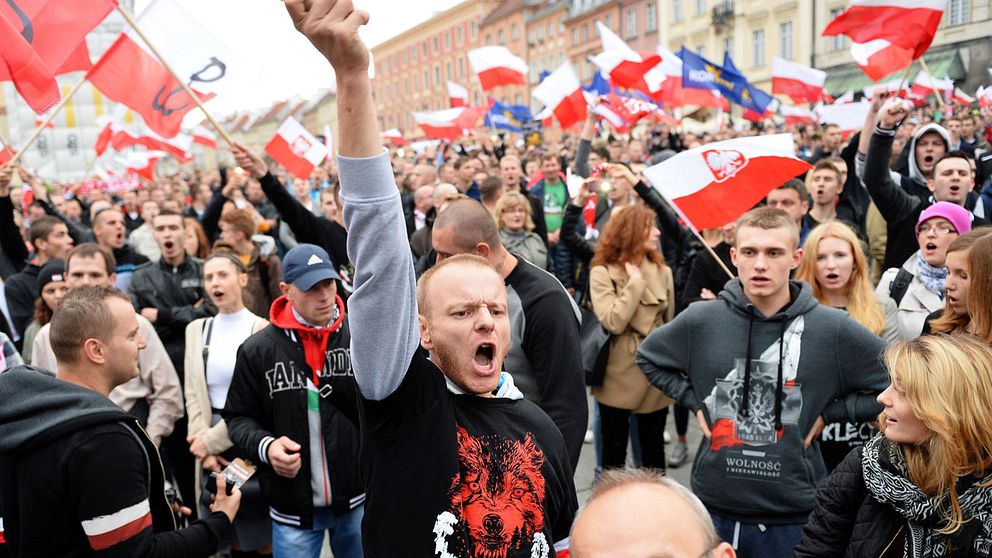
598,85
700,73
507,117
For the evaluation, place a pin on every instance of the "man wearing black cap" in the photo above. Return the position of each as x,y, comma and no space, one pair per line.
293,405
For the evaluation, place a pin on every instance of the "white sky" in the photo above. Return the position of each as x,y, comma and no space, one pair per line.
261,31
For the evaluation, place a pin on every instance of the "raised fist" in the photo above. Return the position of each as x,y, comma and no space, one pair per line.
332,27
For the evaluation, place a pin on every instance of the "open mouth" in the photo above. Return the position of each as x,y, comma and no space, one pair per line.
928,159
832,277
931,247
217,295
168,244
484,356
759,281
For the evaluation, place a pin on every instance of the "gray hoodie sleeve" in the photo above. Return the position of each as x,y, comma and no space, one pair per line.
858,354
382,311
664,358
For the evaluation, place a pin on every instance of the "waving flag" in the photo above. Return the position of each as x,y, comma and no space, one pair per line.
42,38
561,93
623,112
984,95
597,85
888,34
700,73
395,136
713,184
796,115
496,65
962,98
142,163
296,149
457,95
673,95
925,84
203,136
847,97
625,66
442,124
115,133
507,117
849,116
130,74
800,83
6,153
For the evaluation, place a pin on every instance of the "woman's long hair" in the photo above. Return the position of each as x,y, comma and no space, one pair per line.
980,288
202,244
42,313
623,240
949,321
862,305
947,381
509,201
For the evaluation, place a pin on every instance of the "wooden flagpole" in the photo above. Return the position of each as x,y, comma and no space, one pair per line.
189,91
48,120
933,81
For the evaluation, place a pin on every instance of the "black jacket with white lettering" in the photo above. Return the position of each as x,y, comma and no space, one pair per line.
268,398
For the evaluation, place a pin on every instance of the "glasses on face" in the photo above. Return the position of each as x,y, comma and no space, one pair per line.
939,229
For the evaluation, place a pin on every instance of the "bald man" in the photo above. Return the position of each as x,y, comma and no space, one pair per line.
420,241
640,514
422,203
424,175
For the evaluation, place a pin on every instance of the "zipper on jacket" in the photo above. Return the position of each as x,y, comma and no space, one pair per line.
894,537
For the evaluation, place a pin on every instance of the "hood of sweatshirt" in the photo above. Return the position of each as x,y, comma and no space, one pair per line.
314,339
914,167
38,408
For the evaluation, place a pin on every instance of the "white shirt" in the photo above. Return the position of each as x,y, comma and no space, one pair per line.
229,331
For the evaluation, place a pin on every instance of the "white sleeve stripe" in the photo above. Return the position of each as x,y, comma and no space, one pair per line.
563,544
106,523
263,448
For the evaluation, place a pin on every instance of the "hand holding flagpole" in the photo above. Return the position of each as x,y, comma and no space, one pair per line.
189,91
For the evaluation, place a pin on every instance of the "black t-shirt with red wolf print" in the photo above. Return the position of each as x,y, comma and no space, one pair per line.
462,476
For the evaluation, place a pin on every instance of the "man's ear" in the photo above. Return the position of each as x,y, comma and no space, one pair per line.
930,185
426,341
797,257
733,256
283,287
483,249
94,351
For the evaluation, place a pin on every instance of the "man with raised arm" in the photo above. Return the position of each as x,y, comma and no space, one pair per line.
460,463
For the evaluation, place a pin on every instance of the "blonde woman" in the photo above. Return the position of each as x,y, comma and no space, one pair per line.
211,350
632,294
835,266
923,486
516,229
955,317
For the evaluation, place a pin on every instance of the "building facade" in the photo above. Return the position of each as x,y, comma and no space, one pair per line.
412,69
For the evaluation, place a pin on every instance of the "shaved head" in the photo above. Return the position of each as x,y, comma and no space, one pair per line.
472,223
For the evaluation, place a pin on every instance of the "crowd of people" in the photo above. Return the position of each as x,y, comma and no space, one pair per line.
405,343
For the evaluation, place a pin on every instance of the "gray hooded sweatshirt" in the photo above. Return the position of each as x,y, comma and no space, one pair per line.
762,382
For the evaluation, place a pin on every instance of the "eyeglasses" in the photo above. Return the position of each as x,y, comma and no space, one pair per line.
939,229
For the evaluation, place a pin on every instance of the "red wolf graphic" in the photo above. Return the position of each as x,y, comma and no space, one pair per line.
498,496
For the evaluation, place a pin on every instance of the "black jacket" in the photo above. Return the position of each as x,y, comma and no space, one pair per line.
21,290
11,242
174,291
706,273
847,520
268,399
79,477
307,227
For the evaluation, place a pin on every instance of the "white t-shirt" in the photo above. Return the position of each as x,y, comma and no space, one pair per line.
229,331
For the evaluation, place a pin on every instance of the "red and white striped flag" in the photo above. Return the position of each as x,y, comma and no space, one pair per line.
296,149
627,67
395,136
457,95
711,185
561,93
847,97
984,96
796,115
962,98
800,83
142,163
888,34
496,65
848,116
205,137
130,74
6,153
925,84
442,124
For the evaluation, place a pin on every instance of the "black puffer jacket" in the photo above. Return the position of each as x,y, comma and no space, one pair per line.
847,520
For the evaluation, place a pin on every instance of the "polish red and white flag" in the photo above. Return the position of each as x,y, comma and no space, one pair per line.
442,124
6,153
711,185
796,115
561,92
847,97
888,34
130,74
395,136
800,83
205,137
962,98
984,96
118,134
625,66
848,116
925,84
142,163
457,95
671,94
296,149
496,65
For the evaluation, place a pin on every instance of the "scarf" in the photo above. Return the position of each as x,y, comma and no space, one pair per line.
887,479
932,277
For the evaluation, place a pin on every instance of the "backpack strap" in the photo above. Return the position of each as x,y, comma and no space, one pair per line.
899,285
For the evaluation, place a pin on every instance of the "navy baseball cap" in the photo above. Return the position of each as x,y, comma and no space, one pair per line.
306,265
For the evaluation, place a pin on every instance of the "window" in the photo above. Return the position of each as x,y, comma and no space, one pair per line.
836,41
609,21
757,48
437,45
551,29
413,53
728,45
447,40
406,85
532,36
502,37
561,24
957,12
631,24
595,29
461,67
540,33
459,35
475,30
427,79
437,75
448,70
516,99
700,7
701,49
515,32
676,11
785,40
489,39
585,32
651,25
575,36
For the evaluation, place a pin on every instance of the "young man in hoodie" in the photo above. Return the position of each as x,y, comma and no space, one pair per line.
51,241
292,403
901,199
460,464
764,367
79,476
